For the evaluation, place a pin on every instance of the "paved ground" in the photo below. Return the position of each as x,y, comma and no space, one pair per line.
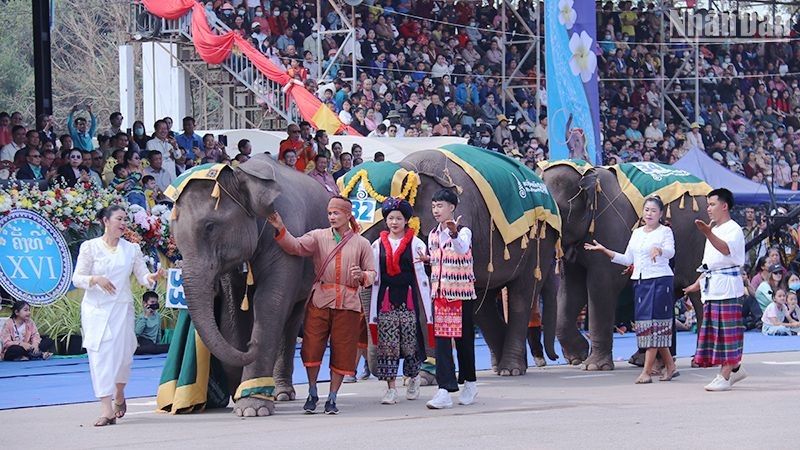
553,407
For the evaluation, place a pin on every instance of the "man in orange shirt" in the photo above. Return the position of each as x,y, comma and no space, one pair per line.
304,149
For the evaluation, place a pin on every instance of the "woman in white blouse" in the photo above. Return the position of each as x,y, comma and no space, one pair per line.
103,270
649,250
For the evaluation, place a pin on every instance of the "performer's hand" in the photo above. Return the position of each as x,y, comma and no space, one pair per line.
161,273
594,246
356,273
654,253
704,228
422,257
694,287
452,225
276,221
105,284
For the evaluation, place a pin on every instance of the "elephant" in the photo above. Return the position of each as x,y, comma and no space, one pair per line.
506,341
220,227
605,214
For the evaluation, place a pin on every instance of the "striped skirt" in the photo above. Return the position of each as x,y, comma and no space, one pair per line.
721,334
654,311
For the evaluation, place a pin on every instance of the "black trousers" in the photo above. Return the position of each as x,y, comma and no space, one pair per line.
15,352
148,347
465,348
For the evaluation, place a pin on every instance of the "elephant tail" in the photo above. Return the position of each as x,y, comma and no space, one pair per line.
549,314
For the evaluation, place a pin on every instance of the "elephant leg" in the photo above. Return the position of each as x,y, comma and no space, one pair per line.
535,343
602,301
572,297
284,365
521,294
234,324
491,323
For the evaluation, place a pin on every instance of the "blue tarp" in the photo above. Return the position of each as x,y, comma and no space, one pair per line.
745,191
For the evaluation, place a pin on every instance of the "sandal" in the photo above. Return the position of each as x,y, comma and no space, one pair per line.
103,421
120,409
669,376
641,380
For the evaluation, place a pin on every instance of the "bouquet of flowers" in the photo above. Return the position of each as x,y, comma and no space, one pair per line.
150,229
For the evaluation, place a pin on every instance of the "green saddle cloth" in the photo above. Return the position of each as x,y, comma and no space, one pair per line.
640,180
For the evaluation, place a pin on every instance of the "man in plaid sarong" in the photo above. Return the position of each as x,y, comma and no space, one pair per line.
720,339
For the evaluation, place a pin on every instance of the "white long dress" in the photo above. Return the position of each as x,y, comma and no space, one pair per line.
107,320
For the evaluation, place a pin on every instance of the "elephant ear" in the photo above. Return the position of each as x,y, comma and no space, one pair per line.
588,185
258,183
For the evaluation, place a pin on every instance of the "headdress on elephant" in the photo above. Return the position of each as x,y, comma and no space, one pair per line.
344,205
397,204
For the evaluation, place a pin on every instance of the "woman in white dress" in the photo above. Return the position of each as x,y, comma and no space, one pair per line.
104,269
649,250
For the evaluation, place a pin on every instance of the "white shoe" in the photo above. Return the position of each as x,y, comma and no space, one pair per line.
468,393
718,384
738,376
349,379
412,390
441,400
390,397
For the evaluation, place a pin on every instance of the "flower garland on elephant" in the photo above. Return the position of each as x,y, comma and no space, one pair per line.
409,192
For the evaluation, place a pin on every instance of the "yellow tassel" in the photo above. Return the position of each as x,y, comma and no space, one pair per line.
490,268
506,254
215,192
250,281
591,227
533,233
558,266
681,204
524,242
669,211
559,250
174,214
597,186
537,273
542,230
695,208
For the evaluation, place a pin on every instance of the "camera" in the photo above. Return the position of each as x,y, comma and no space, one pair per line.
153,306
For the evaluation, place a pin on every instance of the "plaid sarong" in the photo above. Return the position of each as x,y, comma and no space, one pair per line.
721,335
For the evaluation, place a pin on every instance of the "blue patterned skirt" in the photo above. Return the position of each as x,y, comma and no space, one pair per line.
654,301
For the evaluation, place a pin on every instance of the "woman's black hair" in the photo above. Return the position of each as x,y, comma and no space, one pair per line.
107,212
774,292
660,203
17,307
129,155
759,265
445,195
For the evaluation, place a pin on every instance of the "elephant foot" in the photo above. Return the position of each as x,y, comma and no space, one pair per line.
539,361
284,393
253,407
575,351
427,379
512,368
598,362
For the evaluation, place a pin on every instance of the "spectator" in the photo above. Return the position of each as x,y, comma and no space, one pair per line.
115,119
245,149
289,158
5,129
346,160
190,142
768,287
156,169
321,175
17,143
379,157
33,170
303,148
140,136
81,136
148,327
45,125
20,338
776,319
71,173
166,145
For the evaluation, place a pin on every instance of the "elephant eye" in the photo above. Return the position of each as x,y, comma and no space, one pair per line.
209,227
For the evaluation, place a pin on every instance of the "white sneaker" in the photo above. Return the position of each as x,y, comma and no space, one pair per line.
468,393
390,397
349,379
718,384
412,390
441,400
738,376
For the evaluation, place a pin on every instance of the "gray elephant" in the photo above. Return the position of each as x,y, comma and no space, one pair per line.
220,228
594,206
506,339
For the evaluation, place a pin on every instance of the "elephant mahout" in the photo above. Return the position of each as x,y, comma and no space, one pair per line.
219,222
515,252
605,204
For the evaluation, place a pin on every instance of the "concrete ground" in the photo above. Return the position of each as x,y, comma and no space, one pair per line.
552,407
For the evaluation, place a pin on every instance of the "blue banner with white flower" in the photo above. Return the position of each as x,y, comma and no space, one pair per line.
573,106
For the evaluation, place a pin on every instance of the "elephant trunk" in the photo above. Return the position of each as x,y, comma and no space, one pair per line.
199,291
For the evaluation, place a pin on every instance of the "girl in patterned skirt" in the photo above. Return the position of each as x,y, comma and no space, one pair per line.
400,296
649,250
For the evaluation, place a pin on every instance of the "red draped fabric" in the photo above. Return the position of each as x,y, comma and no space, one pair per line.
214,48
